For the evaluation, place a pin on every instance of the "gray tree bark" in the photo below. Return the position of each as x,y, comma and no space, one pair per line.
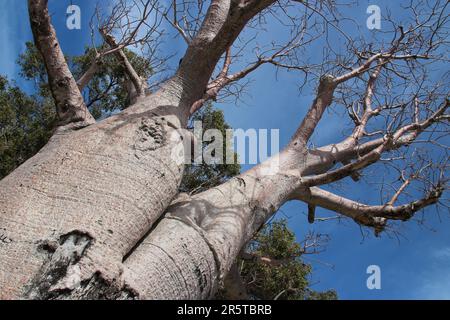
76,209
93,215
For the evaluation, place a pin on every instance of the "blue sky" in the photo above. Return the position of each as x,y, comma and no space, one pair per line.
416,267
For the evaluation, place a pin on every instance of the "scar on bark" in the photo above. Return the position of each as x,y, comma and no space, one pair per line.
151,134
57,278
61,256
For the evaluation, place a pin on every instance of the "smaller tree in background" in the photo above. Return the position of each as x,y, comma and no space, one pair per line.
25,126
27,121
200,177
271,267
107,92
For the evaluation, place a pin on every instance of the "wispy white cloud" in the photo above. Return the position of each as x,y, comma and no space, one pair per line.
437,286
442,254
435,282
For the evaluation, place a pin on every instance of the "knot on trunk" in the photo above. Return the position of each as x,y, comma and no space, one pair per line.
151,134
60,272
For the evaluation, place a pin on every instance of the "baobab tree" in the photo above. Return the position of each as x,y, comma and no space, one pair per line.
97,214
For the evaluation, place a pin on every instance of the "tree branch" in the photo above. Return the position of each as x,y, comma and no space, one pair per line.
311,120
224,79
324,158
70,105
234,286
223,23
139,84
174,23
90,72
367,215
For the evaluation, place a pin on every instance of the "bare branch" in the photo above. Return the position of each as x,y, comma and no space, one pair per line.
234,287
371,152
175,23
138,83
323,100
223,23
399,192
84,80
371,216
70,105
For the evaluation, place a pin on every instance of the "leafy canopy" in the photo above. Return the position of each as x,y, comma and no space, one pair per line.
25,126
287,280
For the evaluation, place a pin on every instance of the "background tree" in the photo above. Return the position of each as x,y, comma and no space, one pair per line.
28,121
271,267
25,126
106,91
200,177
93,215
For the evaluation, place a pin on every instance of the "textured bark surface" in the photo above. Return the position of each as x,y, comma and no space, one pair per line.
209,231
75,210
110,182
69,102
93,216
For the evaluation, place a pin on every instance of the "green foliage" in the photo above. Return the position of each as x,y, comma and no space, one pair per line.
105,93
25,126
199,177
289,278
26,122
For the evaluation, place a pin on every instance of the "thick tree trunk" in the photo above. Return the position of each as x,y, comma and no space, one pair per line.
92,214
73,213
192,249
77,213
76,209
